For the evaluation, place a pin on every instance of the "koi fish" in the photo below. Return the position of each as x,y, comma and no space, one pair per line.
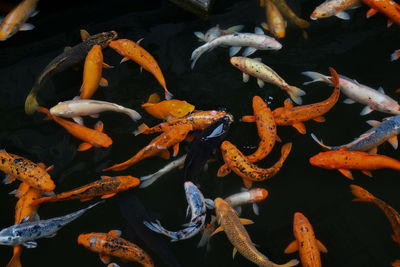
253,41
386,130
133,51
70,57
295,116
275,23
396,263
167,109
344,161
263,73
92,72
306,243
26,232
198,120
112,244
90,137
158,146
356,92
15,19
334,8
253,196
17,167
233,227
395,56
216,31
106,187
239,164
86,107
197,208
392,215
387,7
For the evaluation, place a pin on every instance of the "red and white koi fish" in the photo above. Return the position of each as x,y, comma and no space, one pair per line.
335,8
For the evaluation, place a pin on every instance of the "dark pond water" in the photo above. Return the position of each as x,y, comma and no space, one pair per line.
356,234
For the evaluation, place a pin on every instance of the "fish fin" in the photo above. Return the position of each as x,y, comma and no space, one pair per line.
292,247
248,118
247,183
106,66
124,59
223,170
51,235
105,258
200,35
30,244
265,26
86,199
234,50
138,41
278,139
346,173
35,217
315,76
260,83
238,210
342,15
258,59
216,231
258,30
99,126
319,142
245,77
371,12
115,232
395,55
321,246
349,101
249,51
319,119
209,203
295,94
373,150
389,23
34,13
16,193
246,221
373,123
256,209
9,179
103,82
16,258
108,195
366,172
393,141
164,153
234,252
395,239
236,28
84,35
95,116
167,94
361,194
84,146
366,110
105,177
142,128
288,103
27,27
380,89
113,264
300,127
78,120
25,219
154,98
133,114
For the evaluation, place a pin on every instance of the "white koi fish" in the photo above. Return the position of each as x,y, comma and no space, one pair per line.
253,41
373,99
216,31
336,8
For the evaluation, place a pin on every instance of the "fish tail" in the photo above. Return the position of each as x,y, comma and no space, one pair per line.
285,150
361,194
44,111
206,236
16,258
315,76
135,116
319,142
335,77
142,128
395,55
198,52
158,228
39,201
168,94
147,180
290,263
295,94
31,103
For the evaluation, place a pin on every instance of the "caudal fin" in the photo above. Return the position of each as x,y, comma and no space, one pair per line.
31,103
361,194
295,94
142,128
147,180
135,116
16,260
285,150
395,55
315,76
293,262
319,142
198,52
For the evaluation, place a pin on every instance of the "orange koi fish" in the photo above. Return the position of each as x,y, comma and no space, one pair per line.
387,7
132,51
112,244
17,167
167,109
344,161
392,215
295,116
236,161
334,8
15,19
396,263
306,243
275,24
266,129
233,227
158,146
198,120
90,137
106,187
92,72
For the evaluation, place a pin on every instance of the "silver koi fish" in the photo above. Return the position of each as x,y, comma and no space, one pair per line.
197,208
216,31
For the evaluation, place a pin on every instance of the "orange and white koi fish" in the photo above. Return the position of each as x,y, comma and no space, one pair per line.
112,244
275,23
239,164
253,196
306,243
158,146
335,8
392,215
216,31
167,109
106,187
233,227
133,51
17,167
389,8
344,161
90,137
92,72
15,19
263,73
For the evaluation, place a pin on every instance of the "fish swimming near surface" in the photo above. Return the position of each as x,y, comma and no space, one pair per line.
344,161
87,107
16,18
387,130
306,243
275,23
216,31
17,167
263,73
111,244
252,196
203,147
27,231
133,51
335,8
238,163
69,58
371,98
393,216
253,41
90,137
389,8
233,227
197,208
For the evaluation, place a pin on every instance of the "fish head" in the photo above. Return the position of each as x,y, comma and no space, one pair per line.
103,39
322,12
60,109
189,187
90,241
272,44
321,160
119,45
221,208
301,225
7,238
299,218
258,194
236,61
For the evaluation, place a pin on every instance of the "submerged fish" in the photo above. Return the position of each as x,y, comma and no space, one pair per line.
252,196
275,23
216,31
334,8
389,8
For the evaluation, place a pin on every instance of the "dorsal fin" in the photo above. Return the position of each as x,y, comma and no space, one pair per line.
84,35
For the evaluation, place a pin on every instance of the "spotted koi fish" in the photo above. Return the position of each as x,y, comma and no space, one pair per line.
275,23
389,8
335,8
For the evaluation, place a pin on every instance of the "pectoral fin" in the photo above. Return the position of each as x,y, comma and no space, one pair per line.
249,118
108,196
346,173
99,126
106,66
245,77
247,183
9,179
105,258
373,123
288,103
371,12
393,141
175,149
373,150
234,50
300,127
246,221
234,252
292,247
103,82
219,229
366,110
27,27
78,120
84,146
342,15
223,170
368,173
30,244
84,35
250,50
319,119
260,83
124,59
349,101
321,247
